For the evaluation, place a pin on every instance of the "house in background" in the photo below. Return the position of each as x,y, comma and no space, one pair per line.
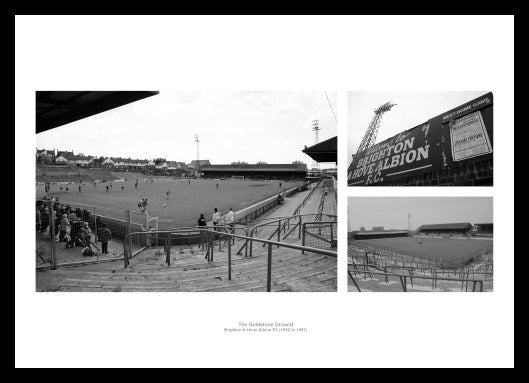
78,160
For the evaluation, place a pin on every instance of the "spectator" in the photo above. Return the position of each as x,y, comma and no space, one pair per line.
230,219
104,236
45,219
72,216
216,217
38,219
63,227
202,221
86,234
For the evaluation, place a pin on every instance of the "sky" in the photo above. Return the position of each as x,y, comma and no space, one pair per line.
232,126
392,212
412,109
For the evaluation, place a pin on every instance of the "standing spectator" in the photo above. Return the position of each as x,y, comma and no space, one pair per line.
45,219
104,236
216,217
38,219
230,219
63,227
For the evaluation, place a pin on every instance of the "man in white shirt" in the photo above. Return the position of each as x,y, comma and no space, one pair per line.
230,219
216,217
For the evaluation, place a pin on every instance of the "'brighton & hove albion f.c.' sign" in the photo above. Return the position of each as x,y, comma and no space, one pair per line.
469,137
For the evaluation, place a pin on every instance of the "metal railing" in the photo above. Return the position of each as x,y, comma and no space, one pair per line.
307,197
321,233
403,256
64,242
477,285
282,228
210,236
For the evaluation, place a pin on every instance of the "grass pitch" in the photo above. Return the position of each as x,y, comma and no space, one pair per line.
432,247
186,200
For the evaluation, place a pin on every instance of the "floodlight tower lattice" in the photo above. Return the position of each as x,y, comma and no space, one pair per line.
315,129
197,142
370,136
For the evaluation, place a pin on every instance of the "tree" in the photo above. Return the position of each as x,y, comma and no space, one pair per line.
262,163
239,163
45,159
297,163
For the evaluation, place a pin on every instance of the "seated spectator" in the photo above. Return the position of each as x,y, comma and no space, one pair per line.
202,221
86,234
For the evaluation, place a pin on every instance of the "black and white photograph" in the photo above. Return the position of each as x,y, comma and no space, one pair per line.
242,198
218,191
420,139
420,244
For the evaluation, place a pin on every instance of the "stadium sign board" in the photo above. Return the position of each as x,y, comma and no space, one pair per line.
469,137
456,135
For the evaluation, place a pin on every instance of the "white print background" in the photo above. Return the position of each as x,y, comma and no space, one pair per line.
263,53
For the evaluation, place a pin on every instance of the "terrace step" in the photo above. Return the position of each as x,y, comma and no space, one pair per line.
291,271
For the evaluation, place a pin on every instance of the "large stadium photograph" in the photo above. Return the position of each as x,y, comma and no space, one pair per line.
420,139
420,244
186,191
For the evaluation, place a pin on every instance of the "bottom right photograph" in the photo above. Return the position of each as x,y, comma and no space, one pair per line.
420,244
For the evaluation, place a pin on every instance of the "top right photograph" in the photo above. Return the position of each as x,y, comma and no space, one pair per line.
420,138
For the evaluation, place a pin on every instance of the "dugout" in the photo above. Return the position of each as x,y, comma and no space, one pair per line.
463,228
359,235
451,149
257,171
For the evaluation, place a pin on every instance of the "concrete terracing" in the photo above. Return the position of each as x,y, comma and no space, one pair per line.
190,271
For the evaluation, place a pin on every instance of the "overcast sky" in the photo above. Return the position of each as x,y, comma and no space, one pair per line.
412,109
392,212
240,126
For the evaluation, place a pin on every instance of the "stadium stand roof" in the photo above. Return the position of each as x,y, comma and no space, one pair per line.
302,168
56,108
325,151
369,233
196,163
446,226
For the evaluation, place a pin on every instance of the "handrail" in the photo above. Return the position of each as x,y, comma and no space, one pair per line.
420,258
278,230
212,233
403,279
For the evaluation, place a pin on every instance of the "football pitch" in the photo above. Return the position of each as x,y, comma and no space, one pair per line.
432,248
186,200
